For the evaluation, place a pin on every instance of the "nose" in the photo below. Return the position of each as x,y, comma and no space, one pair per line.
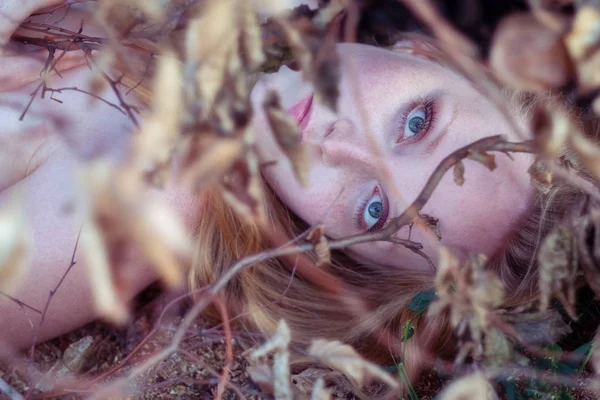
344,146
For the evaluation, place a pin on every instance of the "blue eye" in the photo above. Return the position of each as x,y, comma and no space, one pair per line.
415,122
374,212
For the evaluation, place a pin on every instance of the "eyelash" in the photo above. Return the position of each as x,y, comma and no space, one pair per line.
360,212
429,108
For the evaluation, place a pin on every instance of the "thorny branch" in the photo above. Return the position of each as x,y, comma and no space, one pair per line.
50,297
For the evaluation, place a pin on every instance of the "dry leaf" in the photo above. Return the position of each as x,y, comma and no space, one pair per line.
470,387
287,133
159,132
483,157
587,151
543,327
277,345
319,391
527,55
14,246
551,128
344,358
557,269
459,173
541,176
583,43
262,375
317,237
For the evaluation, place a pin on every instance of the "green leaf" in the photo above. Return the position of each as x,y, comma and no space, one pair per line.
422,300
407,331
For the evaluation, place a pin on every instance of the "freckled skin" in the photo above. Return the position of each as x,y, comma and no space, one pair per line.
354,151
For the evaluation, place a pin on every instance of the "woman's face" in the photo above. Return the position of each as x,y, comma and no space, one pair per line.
398,116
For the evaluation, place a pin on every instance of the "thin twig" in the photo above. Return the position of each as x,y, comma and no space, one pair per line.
20,303
49,300
228,348
8,390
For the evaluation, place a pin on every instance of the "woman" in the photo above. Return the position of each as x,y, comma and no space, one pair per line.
399,114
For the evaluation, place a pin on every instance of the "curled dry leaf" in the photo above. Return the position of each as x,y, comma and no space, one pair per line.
14,246
211,40
471,294
470,387
558,269
588,152
208,159
527,55
583,42
459,173
343,357
159,132
317,237
431,223
551,127
118,210
287,133
541,176
278,347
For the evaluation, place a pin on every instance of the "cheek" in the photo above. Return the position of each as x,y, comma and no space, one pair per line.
477,216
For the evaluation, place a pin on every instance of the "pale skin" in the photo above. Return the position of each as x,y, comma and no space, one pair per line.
355,161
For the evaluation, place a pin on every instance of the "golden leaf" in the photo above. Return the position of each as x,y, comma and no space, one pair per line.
343,357
583,41
155,144
287,133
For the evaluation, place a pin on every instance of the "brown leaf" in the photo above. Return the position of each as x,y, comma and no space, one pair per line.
343,357
541,176
551,128
459,173
483,157
558,269
317,237
431,223
527,55
287,133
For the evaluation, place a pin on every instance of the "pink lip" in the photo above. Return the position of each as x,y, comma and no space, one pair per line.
301,111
